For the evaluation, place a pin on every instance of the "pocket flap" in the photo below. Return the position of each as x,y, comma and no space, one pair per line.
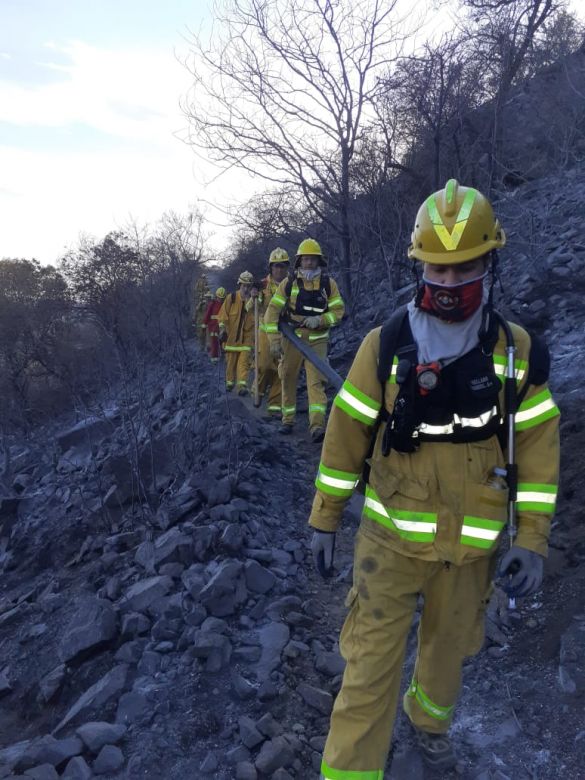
386,484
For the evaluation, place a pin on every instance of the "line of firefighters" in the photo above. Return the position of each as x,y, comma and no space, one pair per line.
237,323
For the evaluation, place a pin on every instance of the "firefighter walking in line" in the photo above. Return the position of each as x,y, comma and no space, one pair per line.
200,302
429,420
310,299
211,321
268,378
236,332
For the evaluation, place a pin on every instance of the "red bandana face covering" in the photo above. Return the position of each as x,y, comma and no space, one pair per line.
453,302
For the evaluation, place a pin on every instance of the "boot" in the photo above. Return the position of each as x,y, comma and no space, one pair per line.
317,435
436,749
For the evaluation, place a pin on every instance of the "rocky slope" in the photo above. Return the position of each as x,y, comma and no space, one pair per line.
159,614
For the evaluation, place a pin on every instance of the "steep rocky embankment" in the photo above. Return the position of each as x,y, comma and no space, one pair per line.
159,614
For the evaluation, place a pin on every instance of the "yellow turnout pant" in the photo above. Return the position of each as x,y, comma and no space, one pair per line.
383,600
289,368
268,375
237,366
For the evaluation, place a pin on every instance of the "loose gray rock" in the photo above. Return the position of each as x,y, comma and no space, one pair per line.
43,772
232,539
110,759
258,578
77,769
225,591
273,639
274,754
105,689
246,771
204,537
97,733
141,595
243,689
134,624
330,664
215,648
133,707
249,734
172,546
209,764
316,698
93,625
220,492
48,750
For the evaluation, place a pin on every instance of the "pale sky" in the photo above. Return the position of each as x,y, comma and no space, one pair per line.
89,109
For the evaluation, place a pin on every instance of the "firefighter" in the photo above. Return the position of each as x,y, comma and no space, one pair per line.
268,378
199,306
236,332
310,299
210,320
424,403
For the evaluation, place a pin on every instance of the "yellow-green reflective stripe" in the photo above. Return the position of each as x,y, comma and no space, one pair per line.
329,773
332,302
356,404
278,301
318,408
536,497
480,531
427,704
274,408
335,482
411,526
450,240
289,409
270,327
330,317
318,336
536,410
238,349
520,367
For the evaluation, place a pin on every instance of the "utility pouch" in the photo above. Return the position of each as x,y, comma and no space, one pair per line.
399,433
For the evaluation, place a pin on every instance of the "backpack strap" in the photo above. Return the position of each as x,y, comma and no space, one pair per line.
289,284
395,339
538,366
326,284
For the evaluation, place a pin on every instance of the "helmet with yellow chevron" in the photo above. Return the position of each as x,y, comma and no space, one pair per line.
454,225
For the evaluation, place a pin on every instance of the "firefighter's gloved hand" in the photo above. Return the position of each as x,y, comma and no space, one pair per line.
522,571
276,348
323,549
312,322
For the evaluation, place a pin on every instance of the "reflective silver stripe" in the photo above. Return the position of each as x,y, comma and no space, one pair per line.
533,495
465,422
358,405
476,422
535,411
319,310
402,525
479,533
343,484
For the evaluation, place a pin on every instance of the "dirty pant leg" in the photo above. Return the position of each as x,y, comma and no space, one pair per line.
451,629
289,368
213,347
243,369
373,639
316,387
231,365
268,378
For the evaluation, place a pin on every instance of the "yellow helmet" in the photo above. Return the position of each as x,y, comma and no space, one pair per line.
278,255
454,225
245,278
309,247
220,293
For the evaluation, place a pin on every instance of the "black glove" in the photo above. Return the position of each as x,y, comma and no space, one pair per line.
523,571
323,549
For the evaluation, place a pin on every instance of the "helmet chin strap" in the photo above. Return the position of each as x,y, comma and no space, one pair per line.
489,321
